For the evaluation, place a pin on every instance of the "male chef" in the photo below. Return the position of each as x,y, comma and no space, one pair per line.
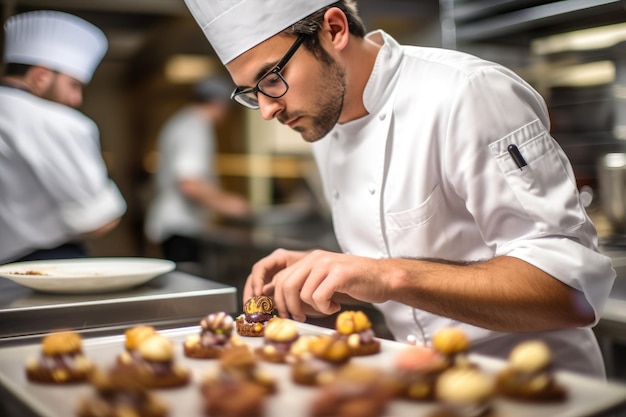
451,202
54,185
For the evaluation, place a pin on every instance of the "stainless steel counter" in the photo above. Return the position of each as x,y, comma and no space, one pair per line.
172,299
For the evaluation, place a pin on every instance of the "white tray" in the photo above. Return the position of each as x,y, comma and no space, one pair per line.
587,396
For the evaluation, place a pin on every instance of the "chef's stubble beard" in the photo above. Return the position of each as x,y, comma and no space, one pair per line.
328,100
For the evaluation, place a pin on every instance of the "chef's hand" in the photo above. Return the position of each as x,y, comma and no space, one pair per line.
306,282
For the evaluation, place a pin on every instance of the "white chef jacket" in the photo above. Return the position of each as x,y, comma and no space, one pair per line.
427,175
54,185
186,147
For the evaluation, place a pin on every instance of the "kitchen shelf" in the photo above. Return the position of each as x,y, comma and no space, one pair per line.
517,22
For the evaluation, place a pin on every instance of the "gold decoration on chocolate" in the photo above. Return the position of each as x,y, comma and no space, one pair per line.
259,304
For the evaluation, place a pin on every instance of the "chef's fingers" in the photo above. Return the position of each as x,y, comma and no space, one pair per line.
263,272
317,274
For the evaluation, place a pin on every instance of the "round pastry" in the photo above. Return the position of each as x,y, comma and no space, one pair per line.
417,369
239,364
154,366
528,375
233,398
356,327
464,391
327,355
453,343
132,339
256,313
216,334
279,335
135,335
61,361
119,394
355,391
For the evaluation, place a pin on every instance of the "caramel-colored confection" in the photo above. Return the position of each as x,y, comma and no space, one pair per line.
463,391
279,336
454,344
233,398
355,391
155,365
61,360
215,336
528,375
135,335
417,369
356,327
61,343
327,355
257,311
117,393
239,363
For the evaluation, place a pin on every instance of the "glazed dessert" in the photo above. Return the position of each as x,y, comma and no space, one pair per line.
356,328
257,312
417,369
117,394
453,344
238,364
327,354
355,391
133,338
61,360
301,347
154,366
528,375
464,392
278,338
233,398
216,335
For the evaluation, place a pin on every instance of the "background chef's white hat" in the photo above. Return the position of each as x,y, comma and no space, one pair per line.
235,26
55,40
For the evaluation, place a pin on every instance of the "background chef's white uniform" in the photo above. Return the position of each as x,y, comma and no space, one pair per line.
187,150
427,175
54,185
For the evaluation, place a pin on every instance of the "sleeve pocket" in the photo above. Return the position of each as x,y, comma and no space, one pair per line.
545,187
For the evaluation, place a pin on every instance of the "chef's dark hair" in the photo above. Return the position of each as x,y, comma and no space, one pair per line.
311,24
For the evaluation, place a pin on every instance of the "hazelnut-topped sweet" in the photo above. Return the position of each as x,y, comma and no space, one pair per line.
137,334
327,354
417,369
239,364
155,364
257,311
454,344
132,339
528,375
61,360
279,336
116,393
464,392
357,391
356,328
216,334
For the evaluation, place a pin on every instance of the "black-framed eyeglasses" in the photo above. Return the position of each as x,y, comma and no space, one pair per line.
272,84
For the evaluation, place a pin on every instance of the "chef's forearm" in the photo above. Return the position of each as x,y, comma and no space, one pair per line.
503,294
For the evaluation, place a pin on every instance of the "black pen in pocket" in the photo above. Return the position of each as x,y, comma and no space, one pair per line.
517,156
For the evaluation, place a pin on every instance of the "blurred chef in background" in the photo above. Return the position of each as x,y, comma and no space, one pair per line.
55,191
188,194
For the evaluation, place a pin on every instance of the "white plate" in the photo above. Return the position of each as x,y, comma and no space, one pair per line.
85,275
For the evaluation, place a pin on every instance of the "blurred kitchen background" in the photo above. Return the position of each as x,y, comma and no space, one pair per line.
572,51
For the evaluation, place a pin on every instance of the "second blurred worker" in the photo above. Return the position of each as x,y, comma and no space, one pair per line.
187,190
